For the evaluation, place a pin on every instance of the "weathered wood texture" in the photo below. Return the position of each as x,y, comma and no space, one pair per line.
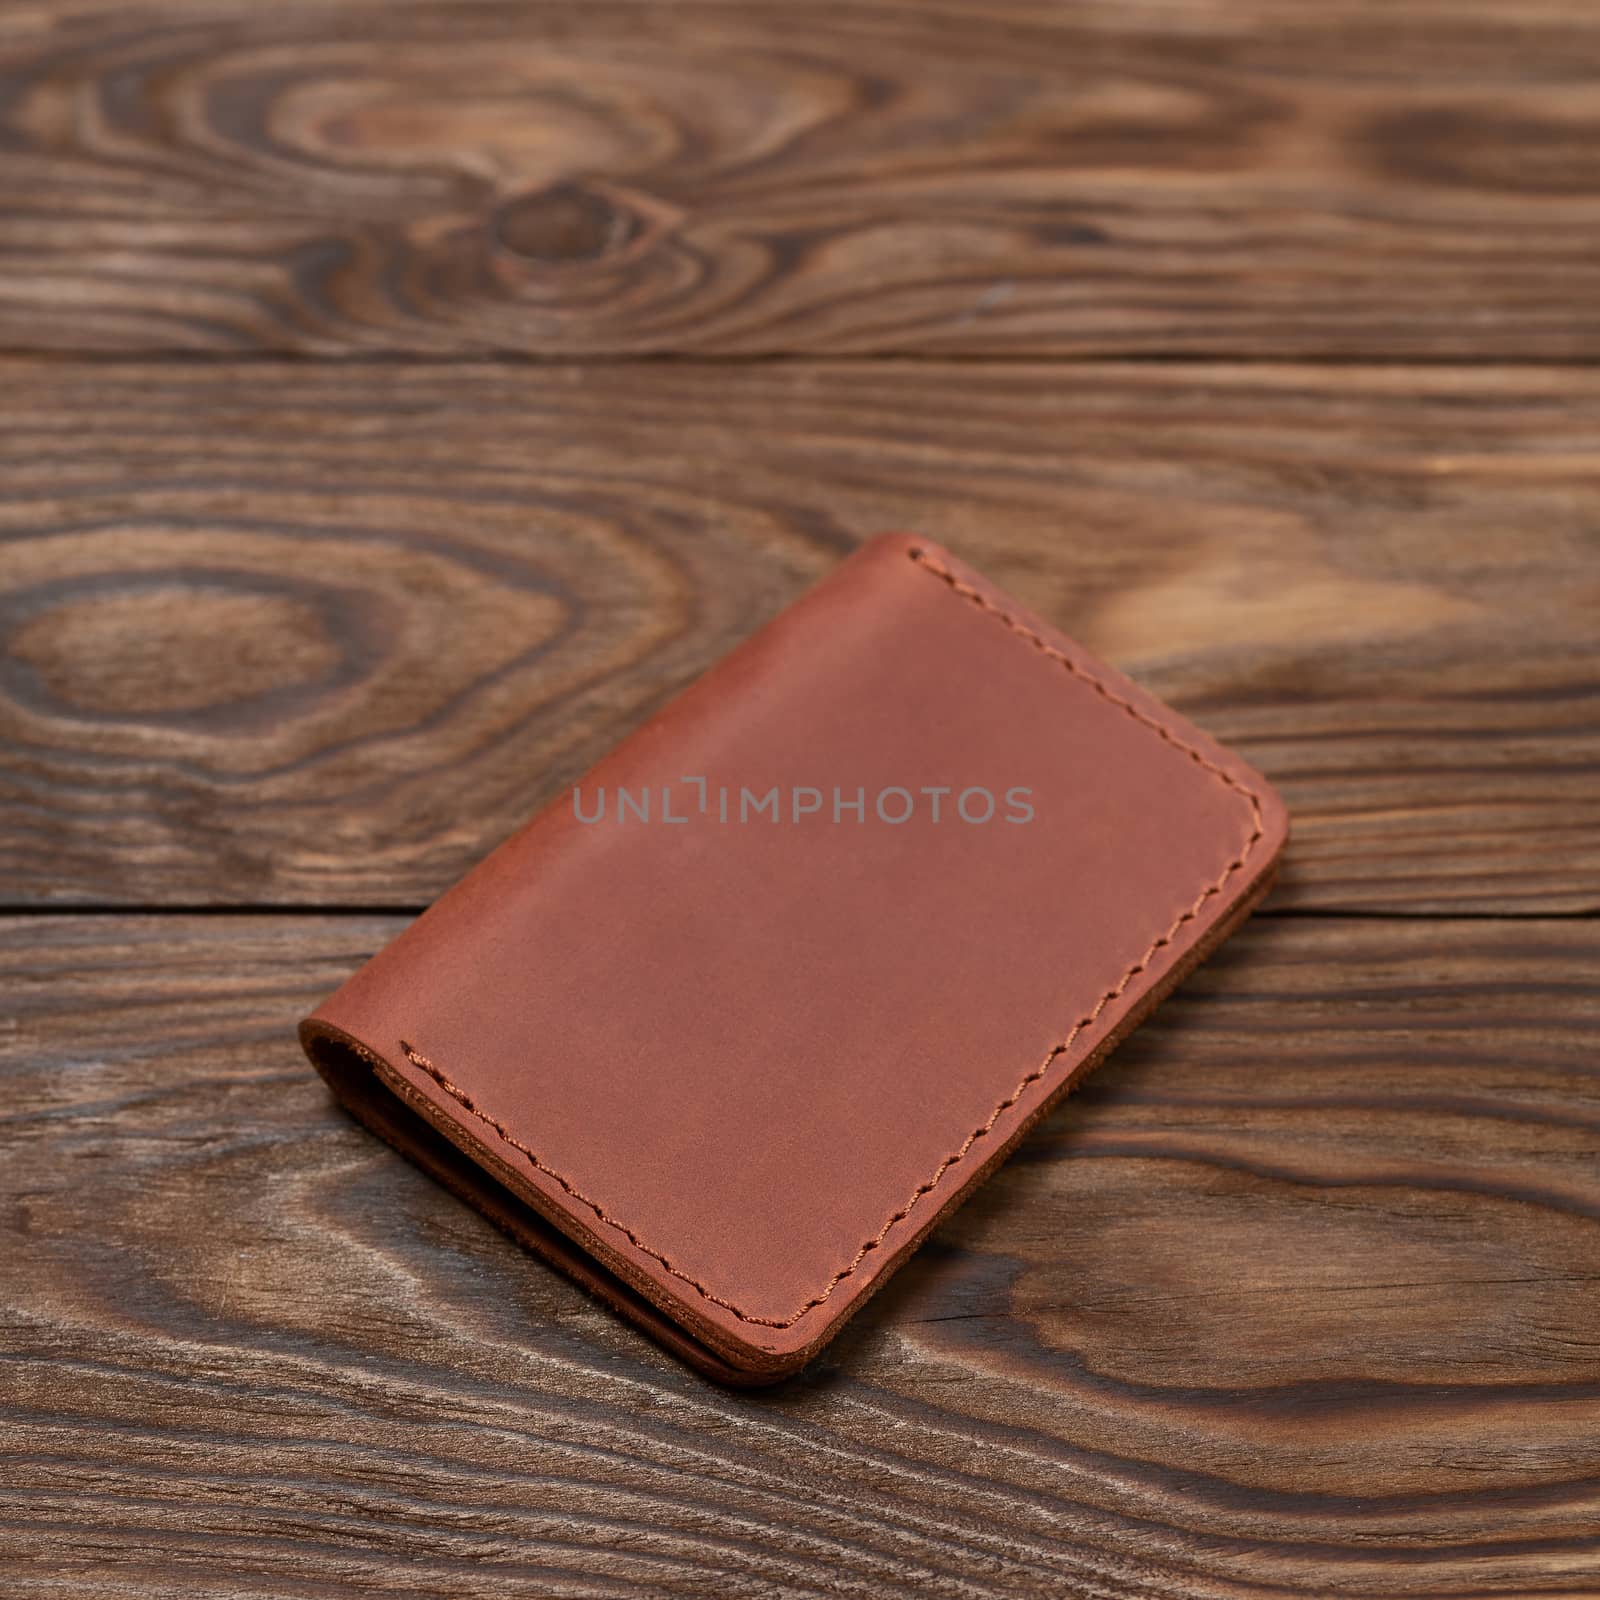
1296,1298
323,635
1350,178
1301,1296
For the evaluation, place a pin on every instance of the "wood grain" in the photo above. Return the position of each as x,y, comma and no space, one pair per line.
324,634
972,176
1298,1297
1301,1296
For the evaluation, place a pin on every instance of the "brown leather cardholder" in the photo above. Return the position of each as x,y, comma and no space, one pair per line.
727,1029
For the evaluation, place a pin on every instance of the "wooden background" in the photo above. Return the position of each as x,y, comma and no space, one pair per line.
398,402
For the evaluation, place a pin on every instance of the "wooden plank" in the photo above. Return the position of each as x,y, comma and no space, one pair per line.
324,635
972,176
1296,1298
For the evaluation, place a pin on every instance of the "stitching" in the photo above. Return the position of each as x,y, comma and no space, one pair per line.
456,1092
1023,631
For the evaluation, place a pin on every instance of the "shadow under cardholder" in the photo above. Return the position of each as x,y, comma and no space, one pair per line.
724,1032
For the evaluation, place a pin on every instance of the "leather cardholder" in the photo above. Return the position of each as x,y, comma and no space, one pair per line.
725,1030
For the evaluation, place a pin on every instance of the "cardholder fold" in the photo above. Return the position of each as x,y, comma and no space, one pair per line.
726,1029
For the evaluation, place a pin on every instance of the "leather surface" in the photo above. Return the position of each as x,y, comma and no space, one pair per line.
745,1065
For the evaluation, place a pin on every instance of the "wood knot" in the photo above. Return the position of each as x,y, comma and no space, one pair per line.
563,223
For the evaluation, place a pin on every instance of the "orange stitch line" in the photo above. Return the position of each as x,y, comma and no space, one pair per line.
981,600
457,1093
